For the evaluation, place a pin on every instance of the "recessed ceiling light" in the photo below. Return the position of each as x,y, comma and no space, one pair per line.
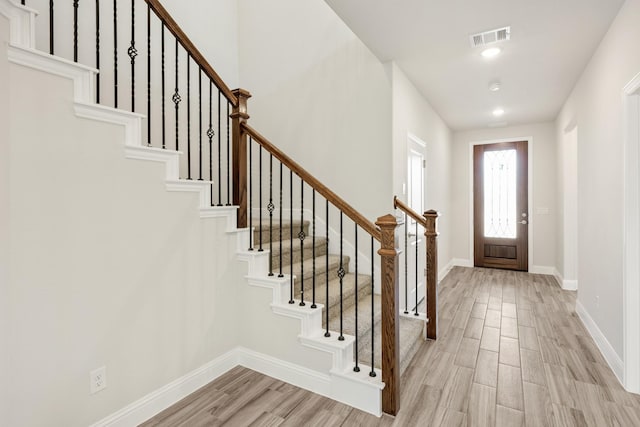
498,112
494,86
491,52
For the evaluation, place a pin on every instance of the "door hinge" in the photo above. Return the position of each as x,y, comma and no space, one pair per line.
424,164
425,272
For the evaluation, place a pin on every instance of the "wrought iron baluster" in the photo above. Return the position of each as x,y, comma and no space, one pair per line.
373,334
341,274
176,100
291,301
260,249
326,269
406,264
133,52
97,51
301,236
229,158
164,121
250,173
115,51
219,151
416,308
148,74
188,116
200,122
52,24
270,208
280,225
355,345
313,250
75,30
210,135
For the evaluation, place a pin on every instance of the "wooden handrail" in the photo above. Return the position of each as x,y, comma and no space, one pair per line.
191,49
399,204
332,197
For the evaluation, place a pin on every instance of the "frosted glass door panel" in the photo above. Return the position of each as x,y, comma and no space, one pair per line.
500,171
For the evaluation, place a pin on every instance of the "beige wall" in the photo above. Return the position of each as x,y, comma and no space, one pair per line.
413,114
596,106
107,268
543,188
320,95
4,218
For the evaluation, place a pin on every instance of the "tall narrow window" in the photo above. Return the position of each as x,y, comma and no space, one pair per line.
500,193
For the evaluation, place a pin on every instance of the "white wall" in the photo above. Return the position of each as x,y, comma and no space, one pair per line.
596,106
413,114
321,96
543,187
107,268
567,229
4,218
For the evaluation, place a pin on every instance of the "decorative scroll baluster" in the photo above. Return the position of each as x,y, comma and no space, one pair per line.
210,135
280,227
148,75
163,84
313,250
416,307
326,269
372,373
355,345
188,117
75,30
260,198
291,232
52,29
301,236
219,151
133,52
176,100
270,208
341,274
97,50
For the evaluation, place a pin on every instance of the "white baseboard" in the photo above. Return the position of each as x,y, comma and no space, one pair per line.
444,271
159,400
362,396
565,284
460,262
542,269
609,354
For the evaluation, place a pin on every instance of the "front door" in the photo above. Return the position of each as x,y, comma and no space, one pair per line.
501,215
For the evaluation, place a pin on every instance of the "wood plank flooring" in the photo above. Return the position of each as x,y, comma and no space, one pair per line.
511,352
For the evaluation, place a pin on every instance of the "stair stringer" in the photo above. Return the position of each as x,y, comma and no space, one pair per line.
339,381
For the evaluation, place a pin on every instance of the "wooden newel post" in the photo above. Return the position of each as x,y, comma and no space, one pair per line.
431,234
390,317
239,155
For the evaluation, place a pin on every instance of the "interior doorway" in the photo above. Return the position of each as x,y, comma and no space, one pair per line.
415,251
500,205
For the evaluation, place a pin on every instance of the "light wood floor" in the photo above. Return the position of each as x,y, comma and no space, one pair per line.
511,351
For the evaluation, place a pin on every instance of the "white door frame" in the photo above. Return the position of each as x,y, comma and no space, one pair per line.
529,140
631,258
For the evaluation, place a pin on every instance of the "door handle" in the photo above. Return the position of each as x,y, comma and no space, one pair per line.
412,234
523,222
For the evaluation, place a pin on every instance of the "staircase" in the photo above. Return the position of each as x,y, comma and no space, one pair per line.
345,322
411,329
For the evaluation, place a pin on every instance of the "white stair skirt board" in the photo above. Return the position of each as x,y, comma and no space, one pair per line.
22,23
609,354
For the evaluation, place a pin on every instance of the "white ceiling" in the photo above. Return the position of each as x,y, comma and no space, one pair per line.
551,43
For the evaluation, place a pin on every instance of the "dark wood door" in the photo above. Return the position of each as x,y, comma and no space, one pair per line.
501,214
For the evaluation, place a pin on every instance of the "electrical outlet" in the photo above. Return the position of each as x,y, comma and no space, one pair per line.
98,379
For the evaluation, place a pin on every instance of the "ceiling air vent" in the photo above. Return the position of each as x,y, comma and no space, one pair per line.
489,37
